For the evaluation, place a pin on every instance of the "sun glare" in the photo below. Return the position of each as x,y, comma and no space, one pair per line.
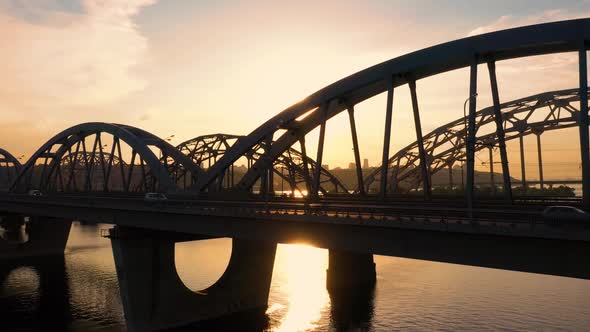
303,269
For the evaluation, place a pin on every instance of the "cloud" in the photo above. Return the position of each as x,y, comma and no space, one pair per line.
529,75
69,57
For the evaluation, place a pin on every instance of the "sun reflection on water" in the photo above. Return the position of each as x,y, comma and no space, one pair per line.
300,278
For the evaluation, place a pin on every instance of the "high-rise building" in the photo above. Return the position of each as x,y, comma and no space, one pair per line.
365,163
351,166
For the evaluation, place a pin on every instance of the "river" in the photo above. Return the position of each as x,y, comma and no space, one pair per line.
80,293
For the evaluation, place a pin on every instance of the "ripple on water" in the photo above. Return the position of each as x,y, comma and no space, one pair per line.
410,295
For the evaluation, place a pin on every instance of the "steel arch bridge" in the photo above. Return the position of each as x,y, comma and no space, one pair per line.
445,145
277,136
78,160
315,111
9,168
291,167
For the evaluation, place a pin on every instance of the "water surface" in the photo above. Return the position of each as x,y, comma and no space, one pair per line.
79,292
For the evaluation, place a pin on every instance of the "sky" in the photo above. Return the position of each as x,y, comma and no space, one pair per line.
189,68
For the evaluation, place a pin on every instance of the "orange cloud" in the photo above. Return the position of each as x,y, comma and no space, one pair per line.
73,58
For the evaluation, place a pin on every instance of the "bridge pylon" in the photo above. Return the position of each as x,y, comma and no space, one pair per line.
154,297
40,236
349,270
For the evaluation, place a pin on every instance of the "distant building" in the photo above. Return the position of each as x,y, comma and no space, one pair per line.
326,166
351,166
365,163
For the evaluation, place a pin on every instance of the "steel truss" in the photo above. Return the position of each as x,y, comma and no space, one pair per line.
290,168
446,145
294,123
77,160
9,168
272,143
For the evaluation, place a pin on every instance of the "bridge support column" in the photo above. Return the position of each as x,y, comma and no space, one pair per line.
154,298
492,180
470,139
583,123
357,153
424,165
350,270
41,236
386,138
500,132
522,163
540,158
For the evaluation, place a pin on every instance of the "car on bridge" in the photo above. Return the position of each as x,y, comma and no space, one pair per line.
35,192
155,197
566,216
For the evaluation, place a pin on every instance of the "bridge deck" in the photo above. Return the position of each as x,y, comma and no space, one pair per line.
517,240
517,221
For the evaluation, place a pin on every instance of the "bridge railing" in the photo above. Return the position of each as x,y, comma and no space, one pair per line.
333,210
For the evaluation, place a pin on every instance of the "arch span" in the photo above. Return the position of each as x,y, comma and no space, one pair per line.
565,36
9,168
446,144
292,167
78,160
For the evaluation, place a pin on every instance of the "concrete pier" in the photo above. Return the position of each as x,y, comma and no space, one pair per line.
41,236
350,270
154,298
352,308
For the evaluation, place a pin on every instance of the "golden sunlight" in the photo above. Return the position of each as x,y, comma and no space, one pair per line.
304,271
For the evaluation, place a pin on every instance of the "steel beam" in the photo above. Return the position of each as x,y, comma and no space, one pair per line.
320,154
583,124
305,165
541,182
422,154
500,132
270,172
357,153
471,135
264,176
386,137
522,166
450,176
492,181
394,176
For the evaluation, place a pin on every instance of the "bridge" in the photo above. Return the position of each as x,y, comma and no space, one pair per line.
225,185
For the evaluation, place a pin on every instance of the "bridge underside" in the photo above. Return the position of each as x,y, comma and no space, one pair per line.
538,250
536,255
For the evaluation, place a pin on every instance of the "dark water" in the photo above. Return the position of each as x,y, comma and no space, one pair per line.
80,293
